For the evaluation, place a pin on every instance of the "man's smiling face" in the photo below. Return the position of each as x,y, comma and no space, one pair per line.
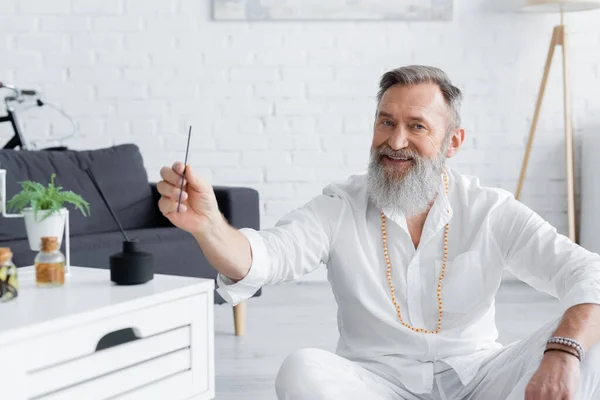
411,121
413,135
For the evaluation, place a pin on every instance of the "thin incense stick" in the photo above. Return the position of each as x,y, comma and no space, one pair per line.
187,149
112,213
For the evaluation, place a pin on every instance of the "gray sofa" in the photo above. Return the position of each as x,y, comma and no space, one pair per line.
121,173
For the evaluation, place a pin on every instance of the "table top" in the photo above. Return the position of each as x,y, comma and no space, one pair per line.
85,290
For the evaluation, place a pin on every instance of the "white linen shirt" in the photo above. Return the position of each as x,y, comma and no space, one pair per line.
489,232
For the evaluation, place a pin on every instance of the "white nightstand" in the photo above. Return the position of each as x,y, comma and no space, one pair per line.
91,339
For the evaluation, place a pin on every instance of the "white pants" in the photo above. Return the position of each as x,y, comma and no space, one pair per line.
314,374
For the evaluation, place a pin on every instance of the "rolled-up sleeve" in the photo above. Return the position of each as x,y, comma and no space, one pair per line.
236,292
543,258
298,244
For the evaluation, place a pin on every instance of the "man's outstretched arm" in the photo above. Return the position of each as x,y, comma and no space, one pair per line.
225,248
247,259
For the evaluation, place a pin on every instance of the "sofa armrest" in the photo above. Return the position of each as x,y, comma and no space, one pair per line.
239,205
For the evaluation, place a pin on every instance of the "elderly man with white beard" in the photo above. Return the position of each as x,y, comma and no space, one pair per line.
415,253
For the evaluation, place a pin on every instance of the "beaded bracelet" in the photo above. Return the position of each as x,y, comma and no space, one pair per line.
564,351
568,342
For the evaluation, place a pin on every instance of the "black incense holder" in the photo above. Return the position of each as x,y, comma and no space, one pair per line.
131,266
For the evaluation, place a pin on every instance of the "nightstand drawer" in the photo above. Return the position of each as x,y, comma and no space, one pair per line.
114,355
83,340
108,361
128,379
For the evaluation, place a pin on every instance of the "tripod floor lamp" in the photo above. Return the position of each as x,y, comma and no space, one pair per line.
559,38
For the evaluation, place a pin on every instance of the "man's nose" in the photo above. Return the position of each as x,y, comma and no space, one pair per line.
399,139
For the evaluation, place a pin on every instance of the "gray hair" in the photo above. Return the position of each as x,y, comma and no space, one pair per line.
418,74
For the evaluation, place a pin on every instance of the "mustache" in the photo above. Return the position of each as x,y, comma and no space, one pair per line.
402,153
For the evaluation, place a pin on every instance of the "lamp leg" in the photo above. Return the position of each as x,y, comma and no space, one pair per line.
536,114
569,150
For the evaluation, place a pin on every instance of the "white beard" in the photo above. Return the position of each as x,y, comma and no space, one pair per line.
410,193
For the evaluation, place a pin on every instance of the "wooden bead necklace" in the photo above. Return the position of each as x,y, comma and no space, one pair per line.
440,278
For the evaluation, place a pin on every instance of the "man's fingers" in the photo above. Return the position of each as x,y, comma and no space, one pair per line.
174,175
171,176
168,206
171,191
178,167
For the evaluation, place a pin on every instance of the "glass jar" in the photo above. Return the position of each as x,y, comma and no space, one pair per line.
9,284
49,264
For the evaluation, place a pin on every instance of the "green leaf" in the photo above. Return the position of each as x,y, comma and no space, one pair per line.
48,199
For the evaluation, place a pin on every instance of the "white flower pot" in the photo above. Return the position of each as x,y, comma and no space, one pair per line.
53,225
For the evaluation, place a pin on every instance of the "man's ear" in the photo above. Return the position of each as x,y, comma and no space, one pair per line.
457,139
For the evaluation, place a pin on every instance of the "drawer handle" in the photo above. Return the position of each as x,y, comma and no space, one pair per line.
117,338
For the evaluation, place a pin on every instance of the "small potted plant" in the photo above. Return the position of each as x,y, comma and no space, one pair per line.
35,199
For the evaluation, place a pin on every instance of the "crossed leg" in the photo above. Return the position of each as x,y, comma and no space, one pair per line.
320,375
314,374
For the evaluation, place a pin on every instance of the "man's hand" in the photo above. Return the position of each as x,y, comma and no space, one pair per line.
198,202
225,248
557,378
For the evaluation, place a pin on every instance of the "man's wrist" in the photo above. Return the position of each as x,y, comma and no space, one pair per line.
568,343
212,230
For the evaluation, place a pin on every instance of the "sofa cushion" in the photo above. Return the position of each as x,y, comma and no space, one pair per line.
119,171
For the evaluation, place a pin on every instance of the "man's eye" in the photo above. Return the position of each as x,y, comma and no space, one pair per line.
387,122
419,126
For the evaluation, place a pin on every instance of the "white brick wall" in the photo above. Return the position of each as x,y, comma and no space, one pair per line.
287,107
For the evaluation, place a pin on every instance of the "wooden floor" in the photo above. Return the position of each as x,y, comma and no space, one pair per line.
297,315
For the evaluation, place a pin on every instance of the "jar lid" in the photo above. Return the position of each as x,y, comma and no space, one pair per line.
49,243
5,254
